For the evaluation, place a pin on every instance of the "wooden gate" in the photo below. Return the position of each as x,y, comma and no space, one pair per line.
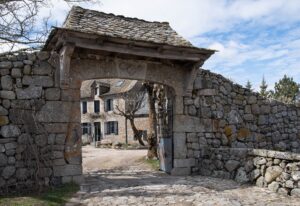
165,130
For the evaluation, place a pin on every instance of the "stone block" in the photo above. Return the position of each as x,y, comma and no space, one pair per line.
67,170
295,192
274,186
43,55
78,179
56,111
8,171
42,68
16,73
231,165
3,160
41,140
180,148
6,65
184,162
3,111
7,95
56,127
8,131
3,120
52,94
185,123
6,83
18,64
10,145
43,81
181,171
207,92
272,173
32,92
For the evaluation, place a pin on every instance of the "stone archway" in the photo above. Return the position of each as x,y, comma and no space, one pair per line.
80,51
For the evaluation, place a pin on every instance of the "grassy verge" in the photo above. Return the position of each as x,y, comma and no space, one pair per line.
52,197
154,164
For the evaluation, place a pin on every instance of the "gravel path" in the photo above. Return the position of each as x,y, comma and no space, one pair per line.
135,184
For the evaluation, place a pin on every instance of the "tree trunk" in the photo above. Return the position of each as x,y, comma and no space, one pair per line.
136,132
152,136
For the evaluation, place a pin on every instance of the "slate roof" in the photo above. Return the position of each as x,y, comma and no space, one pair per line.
114,84
95,22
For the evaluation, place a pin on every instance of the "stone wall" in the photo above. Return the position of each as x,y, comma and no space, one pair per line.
234,117
33,134
232,123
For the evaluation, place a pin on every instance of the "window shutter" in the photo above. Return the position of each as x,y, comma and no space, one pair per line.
105,105
105,127
116,128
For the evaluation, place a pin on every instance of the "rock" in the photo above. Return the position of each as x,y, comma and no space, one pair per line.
289,184
231,165
295,192
198,83
3,120
5,65
241,176
18,64
31,92
184,162
67,170
252,99
262,120
43,55
272,173
7,95
283,191
207,92
45,172
234,117
41,140
52,94
274,186
180,145
8,171
3,111
296,175
6,83
11,160
260,182
16,73
10,131
181,171
2,148
22,173
255,174
43,81
10,145
3,159
43,68
260,161
27,70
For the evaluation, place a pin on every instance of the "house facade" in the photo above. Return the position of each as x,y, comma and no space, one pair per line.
99,119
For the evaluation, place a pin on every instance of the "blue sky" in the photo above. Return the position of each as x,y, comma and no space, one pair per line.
253,37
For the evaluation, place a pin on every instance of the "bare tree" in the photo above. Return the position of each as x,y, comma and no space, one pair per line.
152,134
134,101
19,23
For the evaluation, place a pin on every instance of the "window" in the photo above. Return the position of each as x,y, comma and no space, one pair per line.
86,128
84,107
97,126
108,105
111,127
96,91
96,106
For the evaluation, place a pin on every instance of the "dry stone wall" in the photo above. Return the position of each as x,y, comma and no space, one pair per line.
234,122
34,124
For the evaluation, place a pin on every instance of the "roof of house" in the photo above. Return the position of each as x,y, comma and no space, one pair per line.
117,86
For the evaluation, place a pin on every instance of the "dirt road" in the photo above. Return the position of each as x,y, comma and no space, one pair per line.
95,159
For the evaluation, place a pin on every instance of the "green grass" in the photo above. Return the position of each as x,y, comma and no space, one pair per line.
51,197
154,164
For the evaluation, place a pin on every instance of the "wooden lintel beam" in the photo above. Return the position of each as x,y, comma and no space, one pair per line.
65,55
133,50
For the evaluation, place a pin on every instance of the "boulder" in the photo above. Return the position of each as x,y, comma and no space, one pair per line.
295,192
272,173
241,176
231,165
274,186
8,131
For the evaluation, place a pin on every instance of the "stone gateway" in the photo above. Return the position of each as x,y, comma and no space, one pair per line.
219,128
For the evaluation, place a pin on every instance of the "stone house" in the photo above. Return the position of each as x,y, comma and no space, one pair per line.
99,120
